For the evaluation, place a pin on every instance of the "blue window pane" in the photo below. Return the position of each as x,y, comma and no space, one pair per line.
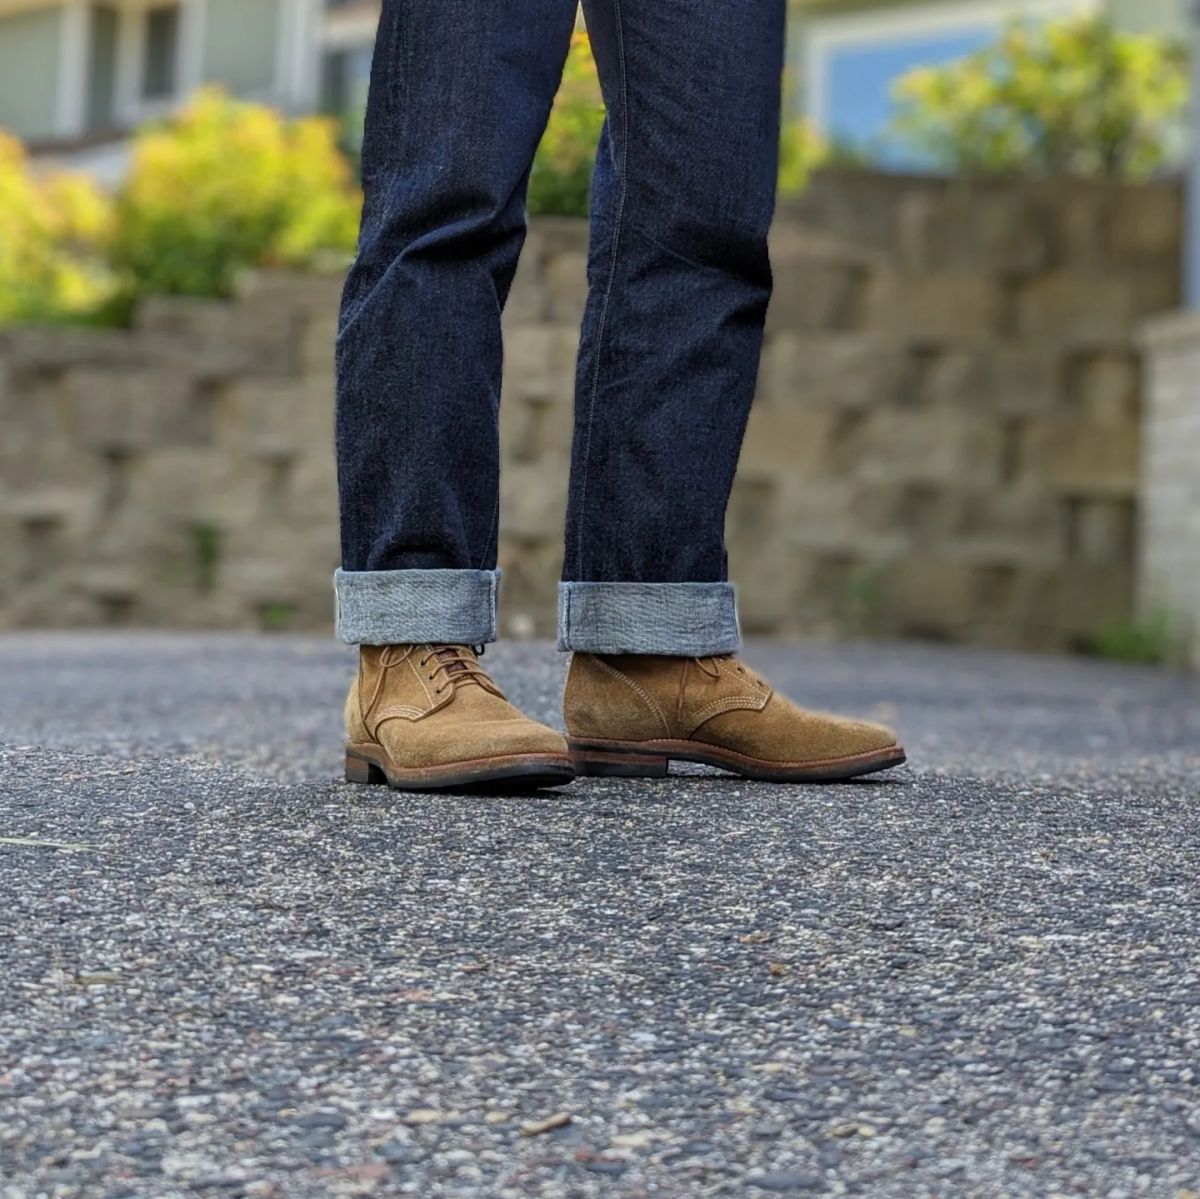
859,78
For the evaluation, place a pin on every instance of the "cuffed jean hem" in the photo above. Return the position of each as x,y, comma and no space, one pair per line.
681,619
401,607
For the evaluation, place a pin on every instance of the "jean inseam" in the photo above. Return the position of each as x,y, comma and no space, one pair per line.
614,259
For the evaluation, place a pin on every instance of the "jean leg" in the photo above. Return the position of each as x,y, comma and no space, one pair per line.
460,94
679,277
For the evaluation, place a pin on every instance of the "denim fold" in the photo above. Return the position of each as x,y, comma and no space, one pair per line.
400,607
680,619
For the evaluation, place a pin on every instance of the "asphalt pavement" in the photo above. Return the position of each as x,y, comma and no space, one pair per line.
225,972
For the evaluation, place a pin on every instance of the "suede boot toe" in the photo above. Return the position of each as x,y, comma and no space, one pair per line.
634,714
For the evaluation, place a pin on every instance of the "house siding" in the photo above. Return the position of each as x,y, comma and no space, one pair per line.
240,42
29,66
1151,16
1146,16
1143,16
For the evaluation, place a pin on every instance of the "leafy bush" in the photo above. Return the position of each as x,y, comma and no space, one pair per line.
1071,97
801,151
562,167
1152,641
53,233
225,185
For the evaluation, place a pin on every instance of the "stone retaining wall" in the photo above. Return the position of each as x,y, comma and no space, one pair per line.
946,441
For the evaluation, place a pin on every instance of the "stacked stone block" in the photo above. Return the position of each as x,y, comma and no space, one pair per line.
946,441
177,474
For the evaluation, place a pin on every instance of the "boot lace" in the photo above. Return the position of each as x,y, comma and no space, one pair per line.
455,666
710,664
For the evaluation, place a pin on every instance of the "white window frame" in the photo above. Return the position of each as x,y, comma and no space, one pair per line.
298,53
132,107
74,46
302,37
349,29
344,31
827,34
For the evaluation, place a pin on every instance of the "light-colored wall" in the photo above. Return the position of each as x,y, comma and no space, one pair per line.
1170,509
1148,16
241,39
29,50
1160,16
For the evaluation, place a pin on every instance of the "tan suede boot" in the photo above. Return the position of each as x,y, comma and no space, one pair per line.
423,717
632,714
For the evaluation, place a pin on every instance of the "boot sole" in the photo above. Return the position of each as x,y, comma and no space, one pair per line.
369,764
652,759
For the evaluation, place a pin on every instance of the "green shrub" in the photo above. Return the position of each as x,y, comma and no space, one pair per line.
562,168
54,234
801,151
1149,641
1071,97
224,185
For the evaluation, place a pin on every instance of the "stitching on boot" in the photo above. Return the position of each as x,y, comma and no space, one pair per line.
405,710
417,673
365,710
728,704
358,703
377,711
637,687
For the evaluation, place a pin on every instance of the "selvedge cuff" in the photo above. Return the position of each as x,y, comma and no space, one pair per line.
400,607
680,619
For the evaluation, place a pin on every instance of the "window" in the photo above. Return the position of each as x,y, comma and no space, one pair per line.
854,61
102,67
161,53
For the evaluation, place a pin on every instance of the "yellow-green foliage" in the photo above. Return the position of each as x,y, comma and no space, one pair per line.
225,185
801,151
1072,97
562,168
53,233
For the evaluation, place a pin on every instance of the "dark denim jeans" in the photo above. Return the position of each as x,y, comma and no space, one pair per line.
679,281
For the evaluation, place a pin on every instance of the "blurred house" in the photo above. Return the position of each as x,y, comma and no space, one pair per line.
77,75
846,55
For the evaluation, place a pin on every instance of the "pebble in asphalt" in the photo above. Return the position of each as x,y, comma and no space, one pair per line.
225,972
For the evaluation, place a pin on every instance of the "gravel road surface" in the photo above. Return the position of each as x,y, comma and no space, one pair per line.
225,972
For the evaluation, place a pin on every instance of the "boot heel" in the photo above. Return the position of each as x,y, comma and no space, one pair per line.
359,770
609,761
